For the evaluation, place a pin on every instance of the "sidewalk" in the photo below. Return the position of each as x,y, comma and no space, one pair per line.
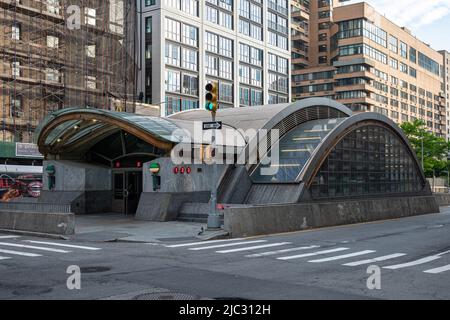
118,227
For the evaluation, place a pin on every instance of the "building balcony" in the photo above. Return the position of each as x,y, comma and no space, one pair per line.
301,37
354,87
364,100
362,74
300,51
300,14
301,61
299,28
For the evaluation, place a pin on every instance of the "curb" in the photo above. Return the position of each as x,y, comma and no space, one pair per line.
34,234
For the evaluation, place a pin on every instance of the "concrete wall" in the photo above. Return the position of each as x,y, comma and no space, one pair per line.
159,206
200,179
49,223
273,193
442,199
87,187
242,221
78,176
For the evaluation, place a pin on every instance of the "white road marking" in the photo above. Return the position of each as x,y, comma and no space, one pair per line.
271,253
438,270
63,245
4,258
198,243
368,261
312,254
32,247
442,253
227,245
255,247
9,237
413,263
344,256
17,253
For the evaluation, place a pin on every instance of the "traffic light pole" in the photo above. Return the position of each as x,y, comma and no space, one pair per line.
213,216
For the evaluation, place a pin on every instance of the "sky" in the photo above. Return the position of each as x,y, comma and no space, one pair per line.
429,20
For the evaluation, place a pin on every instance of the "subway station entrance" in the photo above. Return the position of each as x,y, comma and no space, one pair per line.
104,152
127,189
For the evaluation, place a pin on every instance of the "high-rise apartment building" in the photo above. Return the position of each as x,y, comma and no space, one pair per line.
357,56
58,54
446,88
243,45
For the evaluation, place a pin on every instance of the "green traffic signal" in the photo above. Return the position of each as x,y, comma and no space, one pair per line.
211,97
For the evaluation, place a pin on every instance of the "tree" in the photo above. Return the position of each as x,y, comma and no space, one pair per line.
435,149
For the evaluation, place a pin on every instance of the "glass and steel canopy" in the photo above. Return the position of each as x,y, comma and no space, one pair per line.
286,159
70,128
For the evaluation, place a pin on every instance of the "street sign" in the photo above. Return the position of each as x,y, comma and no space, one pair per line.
28,150
212,125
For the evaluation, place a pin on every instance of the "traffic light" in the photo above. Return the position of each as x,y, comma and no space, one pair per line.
211,97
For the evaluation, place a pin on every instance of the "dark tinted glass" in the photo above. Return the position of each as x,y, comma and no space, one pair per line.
370,160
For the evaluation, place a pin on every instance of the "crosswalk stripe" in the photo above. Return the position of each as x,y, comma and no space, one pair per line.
255,247
413,263
63,245
438,270
17,253
344,256
201,243
4,258
271,253
227,245
9,237
383,258
32,247
312,254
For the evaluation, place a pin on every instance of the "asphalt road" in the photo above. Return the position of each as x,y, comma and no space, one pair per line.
412,254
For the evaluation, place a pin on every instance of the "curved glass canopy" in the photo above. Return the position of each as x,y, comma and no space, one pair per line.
69,128
287,158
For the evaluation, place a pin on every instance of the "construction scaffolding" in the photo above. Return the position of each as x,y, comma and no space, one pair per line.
58,54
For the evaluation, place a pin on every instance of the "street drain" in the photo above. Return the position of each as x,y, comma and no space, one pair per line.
165,296
94,269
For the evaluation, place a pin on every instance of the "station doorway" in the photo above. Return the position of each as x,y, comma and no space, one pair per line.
127,190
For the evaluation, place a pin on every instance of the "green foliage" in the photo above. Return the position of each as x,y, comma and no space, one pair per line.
435,149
